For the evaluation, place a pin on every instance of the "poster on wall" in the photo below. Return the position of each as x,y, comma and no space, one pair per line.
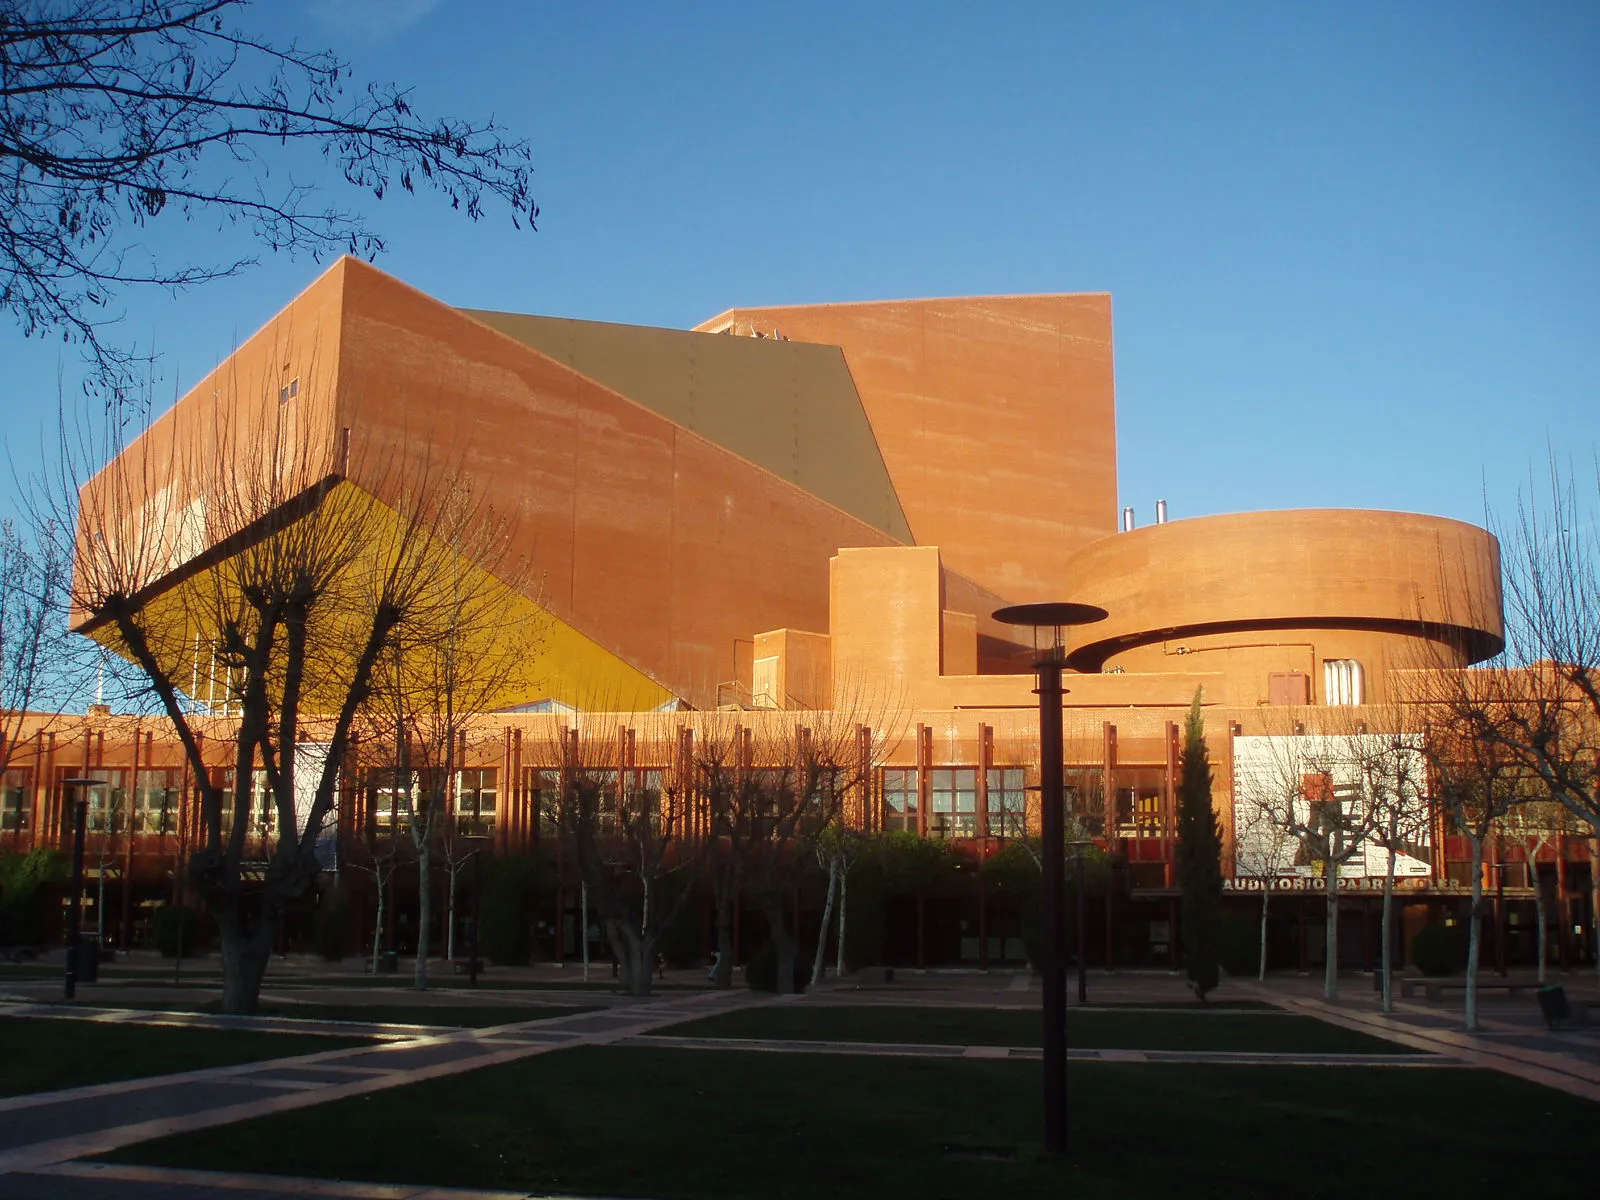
1289,788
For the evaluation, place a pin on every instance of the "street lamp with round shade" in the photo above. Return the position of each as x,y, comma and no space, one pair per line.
80,819
1049,622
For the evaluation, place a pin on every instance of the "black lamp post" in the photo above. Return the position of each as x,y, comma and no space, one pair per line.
80,821
1049,622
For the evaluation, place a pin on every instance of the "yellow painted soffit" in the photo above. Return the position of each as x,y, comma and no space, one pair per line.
563,664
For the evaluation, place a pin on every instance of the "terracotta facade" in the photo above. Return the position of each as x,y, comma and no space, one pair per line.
820,508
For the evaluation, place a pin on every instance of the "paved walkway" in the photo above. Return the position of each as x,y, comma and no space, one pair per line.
115,1181
925,1050
45,1130
377,1030
1513,1040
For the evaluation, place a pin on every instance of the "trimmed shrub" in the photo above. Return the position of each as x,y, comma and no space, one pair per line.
866,918
1440,949
1239,945
761,972
330,925
23,882
176,928
505,935
680,941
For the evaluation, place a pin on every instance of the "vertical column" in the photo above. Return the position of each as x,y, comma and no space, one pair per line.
924,783
1053,899
184,784
1169,800
527,820
502,823
867,815
125,933
985,761
1108,758
44,791
1108,779
1230,843
1500,932
1563,901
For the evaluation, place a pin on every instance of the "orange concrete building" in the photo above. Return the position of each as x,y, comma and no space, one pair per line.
820,508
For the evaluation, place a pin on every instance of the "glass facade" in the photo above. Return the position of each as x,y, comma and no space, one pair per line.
900,799
953,807
1008,802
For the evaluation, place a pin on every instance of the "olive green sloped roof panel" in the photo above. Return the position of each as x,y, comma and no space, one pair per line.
790,407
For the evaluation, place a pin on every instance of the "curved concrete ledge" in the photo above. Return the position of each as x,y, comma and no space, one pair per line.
1405,574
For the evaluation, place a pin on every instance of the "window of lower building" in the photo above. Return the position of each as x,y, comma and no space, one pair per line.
389,799
108,804
155,807
646,790
900,799
16,806
1140,793
1343,681
1008,803
953,805
477,796
1086,801
262,812
543,789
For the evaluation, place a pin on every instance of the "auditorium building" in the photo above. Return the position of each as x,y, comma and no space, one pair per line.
792,508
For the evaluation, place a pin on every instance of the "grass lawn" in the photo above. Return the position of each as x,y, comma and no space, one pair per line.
620,1121
461,1016
38,1054
1190,1029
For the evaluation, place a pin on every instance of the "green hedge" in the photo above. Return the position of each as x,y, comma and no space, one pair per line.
23,880
1440,949
179,928
761,972
506,906
330,924
1239,945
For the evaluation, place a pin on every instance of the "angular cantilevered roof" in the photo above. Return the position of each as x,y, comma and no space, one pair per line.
790,407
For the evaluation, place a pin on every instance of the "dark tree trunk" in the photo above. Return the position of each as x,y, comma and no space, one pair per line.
783,941
246,933
724,899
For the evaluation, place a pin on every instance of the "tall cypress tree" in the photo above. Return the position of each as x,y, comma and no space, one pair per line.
1199,857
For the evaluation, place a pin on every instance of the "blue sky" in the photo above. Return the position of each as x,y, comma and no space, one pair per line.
1353,248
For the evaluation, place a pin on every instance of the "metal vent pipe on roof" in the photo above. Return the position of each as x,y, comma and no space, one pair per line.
1161,512
1127,519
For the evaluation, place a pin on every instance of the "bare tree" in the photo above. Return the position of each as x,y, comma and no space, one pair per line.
1549,712
467,827
116,113
1391,770
1264,849
460,659
1524,730
382,860
837,849
630,829
43,667
248,537
1308,786
1536,825
772,795
1481,781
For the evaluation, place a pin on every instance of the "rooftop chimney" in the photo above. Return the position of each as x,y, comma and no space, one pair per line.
1127,519
1161,512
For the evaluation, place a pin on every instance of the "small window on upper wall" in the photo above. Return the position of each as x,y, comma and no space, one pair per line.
1343,681
289,390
